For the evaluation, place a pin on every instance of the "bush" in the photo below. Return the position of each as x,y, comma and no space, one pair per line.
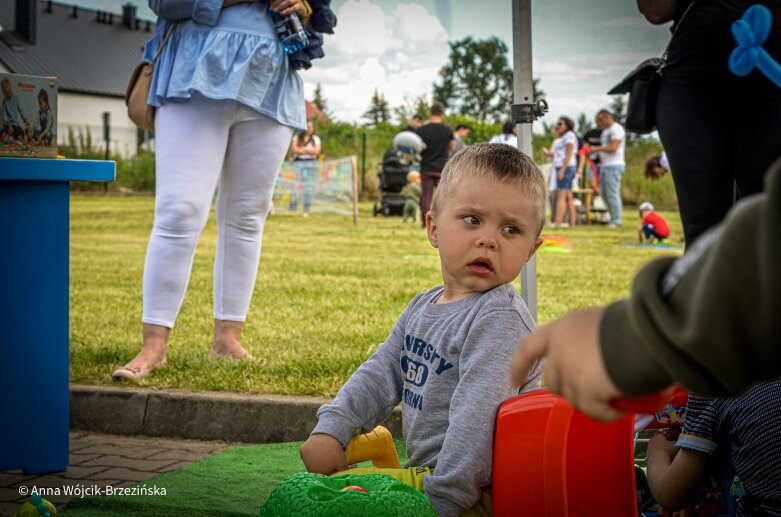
340,139
137,173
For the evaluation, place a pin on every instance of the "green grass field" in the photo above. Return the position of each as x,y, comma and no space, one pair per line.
327,293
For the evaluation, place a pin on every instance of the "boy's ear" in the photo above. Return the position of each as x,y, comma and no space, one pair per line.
431,229
534,248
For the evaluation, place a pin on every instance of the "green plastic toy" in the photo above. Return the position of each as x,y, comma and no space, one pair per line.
365,495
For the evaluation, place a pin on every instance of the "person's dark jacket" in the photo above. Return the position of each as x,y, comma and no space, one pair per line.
710,319
322,20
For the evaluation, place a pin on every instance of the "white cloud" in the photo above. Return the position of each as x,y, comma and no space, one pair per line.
399,54
363,29
416,27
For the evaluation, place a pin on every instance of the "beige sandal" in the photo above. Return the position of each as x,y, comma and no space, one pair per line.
135,373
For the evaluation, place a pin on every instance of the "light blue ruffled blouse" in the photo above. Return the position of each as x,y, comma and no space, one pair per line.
231,53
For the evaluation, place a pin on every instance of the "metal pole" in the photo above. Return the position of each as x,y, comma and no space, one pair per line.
523,93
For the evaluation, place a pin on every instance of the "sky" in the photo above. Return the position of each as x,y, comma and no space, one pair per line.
580,48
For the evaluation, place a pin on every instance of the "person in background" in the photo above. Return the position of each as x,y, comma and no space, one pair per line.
611,157
589,159
507,136
551,174
440,144
412,193
564,162
653,225
414,123
305,149
657,166
216,125
461,132
718,150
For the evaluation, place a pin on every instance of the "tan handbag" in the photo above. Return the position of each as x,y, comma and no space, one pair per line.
137,93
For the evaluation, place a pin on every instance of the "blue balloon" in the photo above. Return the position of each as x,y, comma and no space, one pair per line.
750,32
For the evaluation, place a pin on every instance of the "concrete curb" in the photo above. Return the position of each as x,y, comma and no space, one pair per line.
192,415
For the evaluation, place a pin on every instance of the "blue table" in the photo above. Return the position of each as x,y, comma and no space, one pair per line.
34,316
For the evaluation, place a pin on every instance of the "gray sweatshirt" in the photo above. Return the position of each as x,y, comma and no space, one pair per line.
449,365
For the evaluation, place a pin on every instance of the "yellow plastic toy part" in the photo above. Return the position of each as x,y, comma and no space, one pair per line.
377,446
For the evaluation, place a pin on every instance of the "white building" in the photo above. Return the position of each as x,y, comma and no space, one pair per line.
92,53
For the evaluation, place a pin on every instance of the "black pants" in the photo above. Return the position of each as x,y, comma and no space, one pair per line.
718,130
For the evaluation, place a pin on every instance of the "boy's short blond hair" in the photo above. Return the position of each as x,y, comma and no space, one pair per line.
412,175
500,163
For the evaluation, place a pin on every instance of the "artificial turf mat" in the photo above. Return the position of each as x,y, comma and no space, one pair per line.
233,483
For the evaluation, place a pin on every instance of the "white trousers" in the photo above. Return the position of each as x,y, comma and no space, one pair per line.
201,144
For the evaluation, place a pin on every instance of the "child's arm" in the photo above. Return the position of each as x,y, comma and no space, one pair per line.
365,400
673,473
463,467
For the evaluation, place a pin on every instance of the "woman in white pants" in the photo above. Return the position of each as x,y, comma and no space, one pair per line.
228,102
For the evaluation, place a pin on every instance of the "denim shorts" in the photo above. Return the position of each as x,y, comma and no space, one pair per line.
566,183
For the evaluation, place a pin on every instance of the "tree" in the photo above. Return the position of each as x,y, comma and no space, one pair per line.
538,92
404,112
319,101
478,80
584,124
378,111
618,108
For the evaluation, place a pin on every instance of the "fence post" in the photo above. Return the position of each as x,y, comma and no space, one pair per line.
363,160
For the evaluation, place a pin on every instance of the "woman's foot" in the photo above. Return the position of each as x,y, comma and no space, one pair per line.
151,355
226,341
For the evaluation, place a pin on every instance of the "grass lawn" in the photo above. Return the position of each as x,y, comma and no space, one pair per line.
327,293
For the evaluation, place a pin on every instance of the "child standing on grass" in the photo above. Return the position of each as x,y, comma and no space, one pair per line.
412,193
447,358
653,226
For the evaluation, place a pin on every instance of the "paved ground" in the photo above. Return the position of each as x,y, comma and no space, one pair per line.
100,460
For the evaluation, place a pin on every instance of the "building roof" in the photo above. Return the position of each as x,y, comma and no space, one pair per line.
86,52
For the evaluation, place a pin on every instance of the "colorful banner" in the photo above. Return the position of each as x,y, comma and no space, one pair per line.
316,187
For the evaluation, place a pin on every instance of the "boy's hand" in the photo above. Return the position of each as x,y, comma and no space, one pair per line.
323,454
573,363
660,445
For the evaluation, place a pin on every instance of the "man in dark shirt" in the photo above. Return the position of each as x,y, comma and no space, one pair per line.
440,144
414,123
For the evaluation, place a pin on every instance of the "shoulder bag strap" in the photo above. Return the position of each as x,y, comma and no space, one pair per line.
164,43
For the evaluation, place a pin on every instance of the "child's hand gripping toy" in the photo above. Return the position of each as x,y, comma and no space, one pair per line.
663,410
360,495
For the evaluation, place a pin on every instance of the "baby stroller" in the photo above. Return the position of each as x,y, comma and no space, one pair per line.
392,175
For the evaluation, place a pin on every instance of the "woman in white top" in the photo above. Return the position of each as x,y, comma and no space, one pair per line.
508,135
306,148
564,166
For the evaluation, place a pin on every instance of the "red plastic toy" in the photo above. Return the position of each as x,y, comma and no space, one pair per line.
552,461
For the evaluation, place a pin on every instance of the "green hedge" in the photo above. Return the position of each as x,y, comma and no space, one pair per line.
340,139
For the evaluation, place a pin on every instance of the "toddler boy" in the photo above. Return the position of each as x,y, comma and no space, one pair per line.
653,226
447,358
